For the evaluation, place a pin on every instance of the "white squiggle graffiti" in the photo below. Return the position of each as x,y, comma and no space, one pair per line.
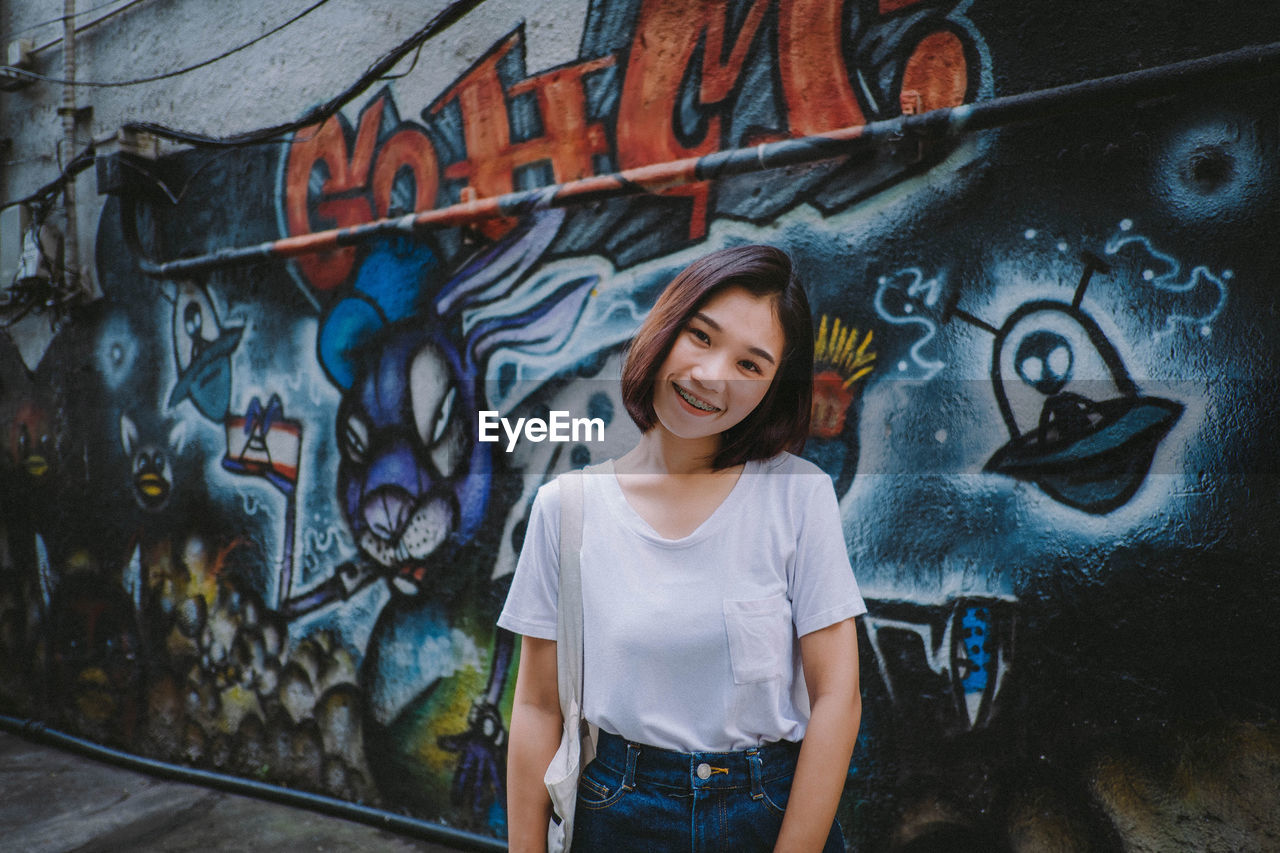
316,542
319,541
1172,281
919,291
249,503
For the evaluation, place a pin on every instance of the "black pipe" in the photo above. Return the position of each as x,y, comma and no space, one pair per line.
37,731
1100,93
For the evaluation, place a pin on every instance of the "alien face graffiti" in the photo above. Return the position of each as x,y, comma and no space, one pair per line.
412,479
1078,426
202,352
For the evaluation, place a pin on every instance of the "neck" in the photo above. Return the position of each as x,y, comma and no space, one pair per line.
660,452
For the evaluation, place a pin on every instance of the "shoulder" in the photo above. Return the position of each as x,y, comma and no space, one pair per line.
795,483
798,477
547,501
789,463
544,514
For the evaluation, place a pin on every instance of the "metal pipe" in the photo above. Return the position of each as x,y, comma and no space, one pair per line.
71,246
39,732
1248,62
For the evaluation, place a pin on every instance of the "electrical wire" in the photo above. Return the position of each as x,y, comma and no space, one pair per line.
83,160
81,29
407,71
60,18
116,84
444,19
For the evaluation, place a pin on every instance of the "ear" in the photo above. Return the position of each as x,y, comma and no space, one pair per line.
177,436
128,434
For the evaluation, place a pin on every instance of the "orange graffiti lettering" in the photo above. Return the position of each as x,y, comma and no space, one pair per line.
815,81
406,149
342,208
887,6
568,141
358,185
684,70
937,72
666,37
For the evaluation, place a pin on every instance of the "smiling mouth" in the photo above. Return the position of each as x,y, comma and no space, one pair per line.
697,402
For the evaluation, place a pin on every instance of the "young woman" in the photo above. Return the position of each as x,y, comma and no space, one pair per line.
721,661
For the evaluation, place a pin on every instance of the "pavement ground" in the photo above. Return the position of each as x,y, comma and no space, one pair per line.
57,801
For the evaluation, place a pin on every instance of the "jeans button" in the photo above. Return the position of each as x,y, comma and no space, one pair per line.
704,771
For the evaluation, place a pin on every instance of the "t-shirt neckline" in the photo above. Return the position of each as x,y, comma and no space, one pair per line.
627,514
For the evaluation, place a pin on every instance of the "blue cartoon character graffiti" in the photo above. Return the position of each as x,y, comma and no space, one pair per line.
408,348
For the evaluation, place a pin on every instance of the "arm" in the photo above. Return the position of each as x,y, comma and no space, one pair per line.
535,735
830,659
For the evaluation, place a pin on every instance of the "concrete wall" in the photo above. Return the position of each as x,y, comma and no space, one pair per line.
248,524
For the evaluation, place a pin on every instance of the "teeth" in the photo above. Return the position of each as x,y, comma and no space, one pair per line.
694,401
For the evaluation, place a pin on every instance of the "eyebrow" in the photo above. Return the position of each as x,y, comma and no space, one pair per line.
698,315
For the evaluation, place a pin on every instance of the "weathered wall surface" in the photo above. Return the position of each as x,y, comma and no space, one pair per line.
247,523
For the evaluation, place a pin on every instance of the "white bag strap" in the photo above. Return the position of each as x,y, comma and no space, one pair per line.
569,632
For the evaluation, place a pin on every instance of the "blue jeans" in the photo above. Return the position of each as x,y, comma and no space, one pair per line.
640,799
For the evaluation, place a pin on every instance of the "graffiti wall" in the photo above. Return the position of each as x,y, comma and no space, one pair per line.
249,523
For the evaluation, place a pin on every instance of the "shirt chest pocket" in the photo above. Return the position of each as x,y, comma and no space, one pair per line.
759,638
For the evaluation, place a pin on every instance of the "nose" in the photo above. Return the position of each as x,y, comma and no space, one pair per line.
386,511
711,371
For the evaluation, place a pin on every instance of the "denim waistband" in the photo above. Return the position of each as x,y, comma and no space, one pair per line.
747,768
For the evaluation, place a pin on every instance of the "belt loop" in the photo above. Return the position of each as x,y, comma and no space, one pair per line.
629,777
754,766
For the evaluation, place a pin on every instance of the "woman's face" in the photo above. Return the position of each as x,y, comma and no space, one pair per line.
720,366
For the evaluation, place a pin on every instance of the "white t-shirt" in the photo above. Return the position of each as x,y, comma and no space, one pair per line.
691,644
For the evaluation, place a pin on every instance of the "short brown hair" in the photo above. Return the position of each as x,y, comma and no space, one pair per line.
781,420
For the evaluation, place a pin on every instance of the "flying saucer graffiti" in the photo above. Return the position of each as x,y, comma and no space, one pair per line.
202,349
1078,426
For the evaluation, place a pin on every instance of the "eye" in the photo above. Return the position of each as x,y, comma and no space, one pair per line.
443,414
433,392
700,335
750,366
1044,360
24,442
355,438
192,318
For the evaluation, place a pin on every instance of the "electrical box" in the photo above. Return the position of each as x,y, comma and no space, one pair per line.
14,222
17,55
